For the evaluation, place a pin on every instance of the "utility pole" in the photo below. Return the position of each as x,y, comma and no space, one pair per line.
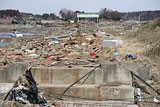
139,17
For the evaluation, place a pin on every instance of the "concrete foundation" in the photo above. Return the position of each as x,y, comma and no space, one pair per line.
110,81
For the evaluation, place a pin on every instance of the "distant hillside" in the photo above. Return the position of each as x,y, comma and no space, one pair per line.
141,15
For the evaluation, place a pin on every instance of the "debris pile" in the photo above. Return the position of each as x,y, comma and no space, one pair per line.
78,44
25,91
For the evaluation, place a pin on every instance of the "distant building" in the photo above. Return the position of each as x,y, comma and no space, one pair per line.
88,16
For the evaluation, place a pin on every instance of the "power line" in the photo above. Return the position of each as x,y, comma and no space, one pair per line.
60,96
144,82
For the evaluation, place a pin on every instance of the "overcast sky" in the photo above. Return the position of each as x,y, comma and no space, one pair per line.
54,6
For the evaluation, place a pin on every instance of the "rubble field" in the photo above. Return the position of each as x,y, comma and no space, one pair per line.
78,44
83,44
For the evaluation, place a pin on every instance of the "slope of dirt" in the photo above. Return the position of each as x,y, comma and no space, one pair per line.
148,34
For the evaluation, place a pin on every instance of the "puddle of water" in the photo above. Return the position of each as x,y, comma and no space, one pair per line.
3,44
25,35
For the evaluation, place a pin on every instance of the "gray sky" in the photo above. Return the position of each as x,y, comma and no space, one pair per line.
54,6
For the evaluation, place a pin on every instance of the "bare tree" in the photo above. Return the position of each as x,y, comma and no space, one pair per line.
67,14
45,16
53,16
109,14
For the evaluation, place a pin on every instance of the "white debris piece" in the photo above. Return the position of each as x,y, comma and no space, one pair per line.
106,43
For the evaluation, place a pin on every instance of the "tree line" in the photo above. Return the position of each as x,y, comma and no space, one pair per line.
9,13
141,15
104,13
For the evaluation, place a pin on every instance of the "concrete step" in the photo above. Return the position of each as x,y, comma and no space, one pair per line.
108,74
89,91
82,92
97,104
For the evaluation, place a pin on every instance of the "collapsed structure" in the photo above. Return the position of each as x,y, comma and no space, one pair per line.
25,91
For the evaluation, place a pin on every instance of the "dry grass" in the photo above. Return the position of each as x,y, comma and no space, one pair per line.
149,33
129,45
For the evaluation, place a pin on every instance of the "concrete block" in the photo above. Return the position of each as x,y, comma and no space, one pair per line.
142,70
12,72
114,74
109,74
117,92
64,75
